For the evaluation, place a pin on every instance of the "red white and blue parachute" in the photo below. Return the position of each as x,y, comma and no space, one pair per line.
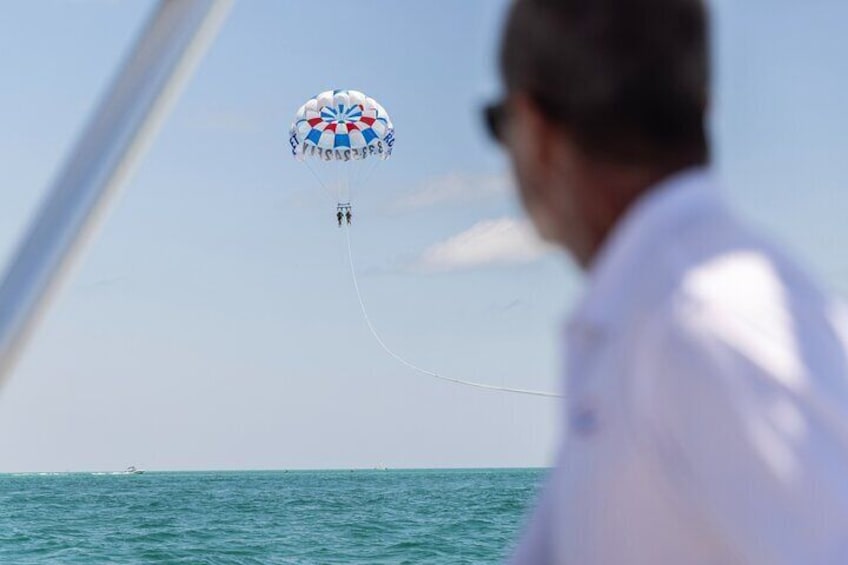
341,125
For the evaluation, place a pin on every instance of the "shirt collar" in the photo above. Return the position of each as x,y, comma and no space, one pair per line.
633,244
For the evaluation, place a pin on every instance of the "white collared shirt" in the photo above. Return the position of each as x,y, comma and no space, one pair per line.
706,401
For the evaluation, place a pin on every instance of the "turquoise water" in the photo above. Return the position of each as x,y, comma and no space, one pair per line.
264,517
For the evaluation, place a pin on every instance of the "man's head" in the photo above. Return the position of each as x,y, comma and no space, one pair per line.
604,98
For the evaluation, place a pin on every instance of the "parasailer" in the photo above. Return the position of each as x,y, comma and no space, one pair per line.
343,213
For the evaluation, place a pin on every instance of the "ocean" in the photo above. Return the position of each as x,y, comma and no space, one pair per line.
302,517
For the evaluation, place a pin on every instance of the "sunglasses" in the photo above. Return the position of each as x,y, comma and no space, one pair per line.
495,117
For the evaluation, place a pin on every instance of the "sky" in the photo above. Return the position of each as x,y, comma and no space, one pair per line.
213,324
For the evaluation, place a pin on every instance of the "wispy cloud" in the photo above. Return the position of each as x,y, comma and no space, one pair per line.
455,188
108,281
512,305
503,241
226,120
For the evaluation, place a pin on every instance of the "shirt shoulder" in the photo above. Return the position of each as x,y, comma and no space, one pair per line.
731,292
741,395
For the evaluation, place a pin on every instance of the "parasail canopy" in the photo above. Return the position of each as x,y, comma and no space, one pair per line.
341,125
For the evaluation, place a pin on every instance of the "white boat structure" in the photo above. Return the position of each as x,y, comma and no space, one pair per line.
133,470
134,106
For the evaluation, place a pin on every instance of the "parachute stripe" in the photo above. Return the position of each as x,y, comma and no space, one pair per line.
356,139
342,140
314,136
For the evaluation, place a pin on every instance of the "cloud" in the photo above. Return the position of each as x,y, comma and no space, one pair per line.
226,121
108,281
512,305
456,188
504,241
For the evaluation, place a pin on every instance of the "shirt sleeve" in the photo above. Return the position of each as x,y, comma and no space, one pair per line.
747,448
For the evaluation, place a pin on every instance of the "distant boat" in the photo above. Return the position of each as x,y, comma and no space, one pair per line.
131,470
